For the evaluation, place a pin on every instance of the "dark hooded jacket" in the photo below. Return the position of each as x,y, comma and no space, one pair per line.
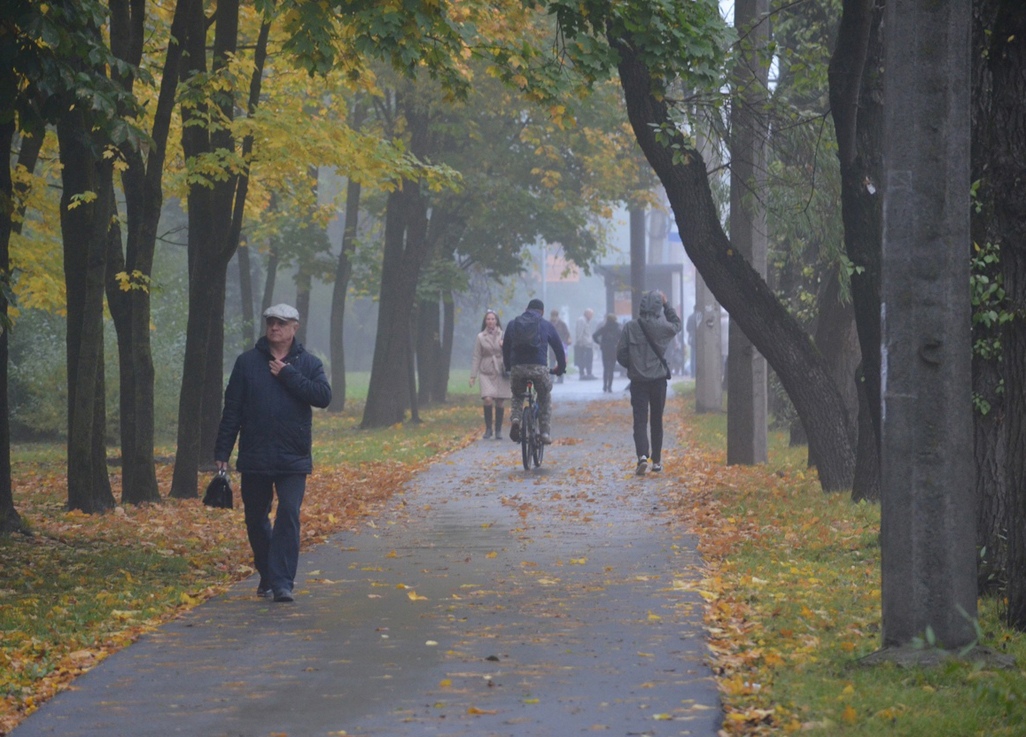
272,415
634,352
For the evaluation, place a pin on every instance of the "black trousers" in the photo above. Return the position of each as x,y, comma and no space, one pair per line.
608,368
648,399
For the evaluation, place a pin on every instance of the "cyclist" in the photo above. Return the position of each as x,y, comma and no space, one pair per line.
525,355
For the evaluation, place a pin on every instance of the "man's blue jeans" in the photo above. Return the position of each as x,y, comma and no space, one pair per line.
275,549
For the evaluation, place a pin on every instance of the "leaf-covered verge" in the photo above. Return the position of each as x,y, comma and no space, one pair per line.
793,603
85,586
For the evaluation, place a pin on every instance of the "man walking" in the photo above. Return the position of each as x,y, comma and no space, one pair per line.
641,351
267,405
525,355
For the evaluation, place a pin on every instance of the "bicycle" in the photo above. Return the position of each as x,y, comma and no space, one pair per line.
531,447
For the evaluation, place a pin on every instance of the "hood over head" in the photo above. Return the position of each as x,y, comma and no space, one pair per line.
651,303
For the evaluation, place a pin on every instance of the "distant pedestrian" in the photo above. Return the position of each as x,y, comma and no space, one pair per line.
267,406
607,337
564,335
487,365
641,351
584,346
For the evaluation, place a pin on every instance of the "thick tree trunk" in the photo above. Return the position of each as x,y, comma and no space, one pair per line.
84,227
1005,175
639,254
212,242
343,273
856,102
736,285
747,398
928,509
10,520
130,309
406,249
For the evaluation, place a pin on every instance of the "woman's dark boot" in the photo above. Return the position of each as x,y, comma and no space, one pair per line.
488,421
498,422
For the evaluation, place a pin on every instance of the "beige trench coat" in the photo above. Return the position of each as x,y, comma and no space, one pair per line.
487,365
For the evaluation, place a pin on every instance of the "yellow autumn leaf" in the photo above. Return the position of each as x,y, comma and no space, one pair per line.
849,715
414,596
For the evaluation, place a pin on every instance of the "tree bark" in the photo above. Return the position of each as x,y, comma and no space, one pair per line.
10,520
856,103
144,198
85,229
747,397
928,509
735,284
1004,172
639,254
428,337
211,246
406,248
343,273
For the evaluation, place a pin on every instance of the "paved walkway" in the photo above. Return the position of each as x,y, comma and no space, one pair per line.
487,601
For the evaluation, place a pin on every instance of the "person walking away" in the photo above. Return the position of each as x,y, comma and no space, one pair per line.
525,356
267,406
584,346
486,365
607,338
641,351
563,330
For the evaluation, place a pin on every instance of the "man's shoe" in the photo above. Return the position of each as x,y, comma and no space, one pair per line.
514,431
498,436
264,591
284,595
488,433
642,466
657,467
546,439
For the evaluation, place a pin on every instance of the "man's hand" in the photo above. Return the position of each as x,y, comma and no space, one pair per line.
276,365
222,465
472,381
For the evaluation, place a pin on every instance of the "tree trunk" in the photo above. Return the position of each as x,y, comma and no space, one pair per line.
144,197
428,338
343,273
406,248
10,520
1005,173
639,253
303,284
747,398
84,227
445,359
856,103
246,295
211,246
928,509
735,284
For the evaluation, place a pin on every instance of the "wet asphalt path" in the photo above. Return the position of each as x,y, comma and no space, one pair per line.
487,601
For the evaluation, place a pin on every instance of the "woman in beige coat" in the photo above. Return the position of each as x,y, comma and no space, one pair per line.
487,365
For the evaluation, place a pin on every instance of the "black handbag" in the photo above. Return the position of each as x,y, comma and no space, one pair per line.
666,366
219,492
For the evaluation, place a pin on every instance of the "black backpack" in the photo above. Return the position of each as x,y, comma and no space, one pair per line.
527,335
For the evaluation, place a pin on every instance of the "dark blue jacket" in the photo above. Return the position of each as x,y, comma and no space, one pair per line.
513,355
270,414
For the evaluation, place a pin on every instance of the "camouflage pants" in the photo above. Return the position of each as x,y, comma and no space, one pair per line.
542,379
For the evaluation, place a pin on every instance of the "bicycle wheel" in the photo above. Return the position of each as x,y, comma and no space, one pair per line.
525,436
536,441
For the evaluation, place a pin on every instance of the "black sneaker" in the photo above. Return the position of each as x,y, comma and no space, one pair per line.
284,595
514,431
642,466
264,591
488,433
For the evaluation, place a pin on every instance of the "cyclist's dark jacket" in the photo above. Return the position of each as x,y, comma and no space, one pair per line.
273,413
514,355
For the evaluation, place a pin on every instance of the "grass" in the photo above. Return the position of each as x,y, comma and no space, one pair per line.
794,603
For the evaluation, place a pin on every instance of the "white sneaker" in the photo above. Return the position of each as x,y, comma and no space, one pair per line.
657,467
642,466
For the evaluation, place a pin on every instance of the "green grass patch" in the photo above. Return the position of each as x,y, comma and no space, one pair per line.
797,578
